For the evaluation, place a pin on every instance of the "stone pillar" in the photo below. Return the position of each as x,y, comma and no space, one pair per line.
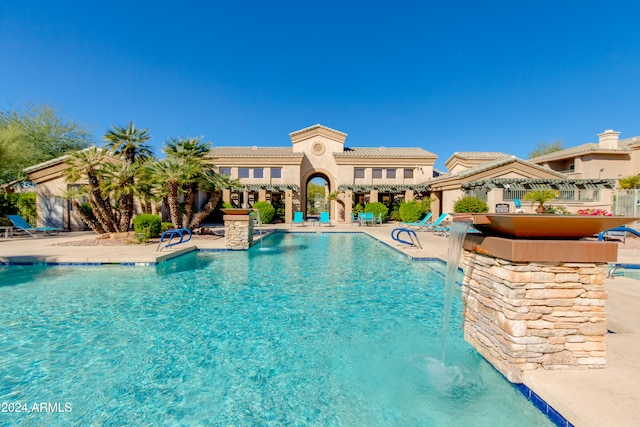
288,206
523,315
262,195
238,231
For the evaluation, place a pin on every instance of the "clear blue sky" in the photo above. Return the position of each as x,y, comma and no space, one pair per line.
442,75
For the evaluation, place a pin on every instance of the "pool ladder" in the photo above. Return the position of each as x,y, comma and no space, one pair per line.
413,237
171,234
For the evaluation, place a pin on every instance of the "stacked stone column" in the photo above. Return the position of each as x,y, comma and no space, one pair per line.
238,231
531,315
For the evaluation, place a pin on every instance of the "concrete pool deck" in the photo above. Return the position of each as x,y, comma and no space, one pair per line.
593,397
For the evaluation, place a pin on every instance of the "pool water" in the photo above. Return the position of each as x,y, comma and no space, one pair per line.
307,329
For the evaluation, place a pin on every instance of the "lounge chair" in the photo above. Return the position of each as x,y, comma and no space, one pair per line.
298,218
433,226
21,225
417,224
324,218
518,205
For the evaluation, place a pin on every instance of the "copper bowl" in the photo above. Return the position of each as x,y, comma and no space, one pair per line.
529,226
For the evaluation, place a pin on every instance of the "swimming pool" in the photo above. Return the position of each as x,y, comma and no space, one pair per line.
309,329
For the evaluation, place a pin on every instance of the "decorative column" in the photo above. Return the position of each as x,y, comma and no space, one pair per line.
238,228
536,304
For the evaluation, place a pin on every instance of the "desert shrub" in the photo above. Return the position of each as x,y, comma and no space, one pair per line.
267,211
147,225
377,208
166,226
470,204
357,209
412,211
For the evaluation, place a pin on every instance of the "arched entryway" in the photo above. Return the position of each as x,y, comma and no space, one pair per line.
314,194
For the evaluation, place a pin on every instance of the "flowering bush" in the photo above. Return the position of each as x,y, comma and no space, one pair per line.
594,212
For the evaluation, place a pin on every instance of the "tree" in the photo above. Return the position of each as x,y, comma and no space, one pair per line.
87,166
129,143
35,135
630,182
541,197
546,148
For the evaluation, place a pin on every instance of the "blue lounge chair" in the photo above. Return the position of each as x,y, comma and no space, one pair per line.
298,218
21,225
353,219
417,224
433,226
324,218
518,205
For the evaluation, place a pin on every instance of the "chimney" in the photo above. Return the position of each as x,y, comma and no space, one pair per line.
609,139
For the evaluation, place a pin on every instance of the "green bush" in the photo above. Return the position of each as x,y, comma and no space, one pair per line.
148,225
166,226
470,204
357,209
266,211
23,204
412,211
377,208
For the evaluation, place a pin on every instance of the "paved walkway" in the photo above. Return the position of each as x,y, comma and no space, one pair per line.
594,397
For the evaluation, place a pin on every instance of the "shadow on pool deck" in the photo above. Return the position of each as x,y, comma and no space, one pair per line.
593,397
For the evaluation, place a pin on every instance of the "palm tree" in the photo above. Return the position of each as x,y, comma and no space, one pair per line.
129,143
120,181
630,182
541,197
86,165
174,173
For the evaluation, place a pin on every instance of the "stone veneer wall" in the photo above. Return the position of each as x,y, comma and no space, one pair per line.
524,316
238,232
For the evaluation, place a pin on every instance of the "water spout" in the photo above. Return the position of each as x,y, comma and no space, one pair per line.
456,238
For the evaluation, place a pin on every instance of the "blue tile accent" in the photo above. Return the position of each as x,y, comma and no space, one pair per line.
553,415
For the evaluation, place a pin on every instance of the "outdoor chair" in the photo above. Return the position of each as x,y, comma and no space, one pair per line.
298,218
353,220
518,205
324,218
417,224
433,226
21,225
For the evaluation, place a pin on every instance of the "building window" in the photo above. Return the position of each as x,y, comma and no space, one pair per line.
391,174
258,173
225,171
377,173
358,173
243,172
408,173
276,172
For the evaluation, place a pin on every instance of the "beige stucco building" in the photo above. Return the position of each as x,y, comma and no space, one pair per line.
281,174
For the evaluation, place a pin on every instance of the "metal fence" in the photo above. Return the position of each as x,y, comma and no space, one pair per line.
577,195
626,202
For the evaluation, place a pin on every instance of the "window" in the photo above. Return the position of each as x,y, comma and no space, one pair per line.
377,173
225,171
258,173
391,174
243,172
408,173
358,173
276,172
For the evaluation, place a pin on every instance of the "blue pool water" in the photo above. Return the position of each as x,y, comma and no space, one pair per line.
310,329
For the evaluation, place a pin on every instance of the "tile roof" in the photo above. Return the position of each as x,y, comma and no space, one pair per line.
624,145
480,155
492,165
385,152
253,152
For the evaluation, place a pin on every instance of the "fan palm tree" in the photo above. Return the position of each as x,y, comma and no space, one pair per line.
86,165
541,197
120,181
129,143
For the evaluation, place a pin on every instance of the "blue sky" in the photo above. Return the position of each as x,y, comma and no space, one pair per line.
444,76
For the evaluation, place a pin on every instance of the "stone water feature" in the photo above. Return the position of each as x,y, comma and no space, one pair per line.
533,293
238,228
